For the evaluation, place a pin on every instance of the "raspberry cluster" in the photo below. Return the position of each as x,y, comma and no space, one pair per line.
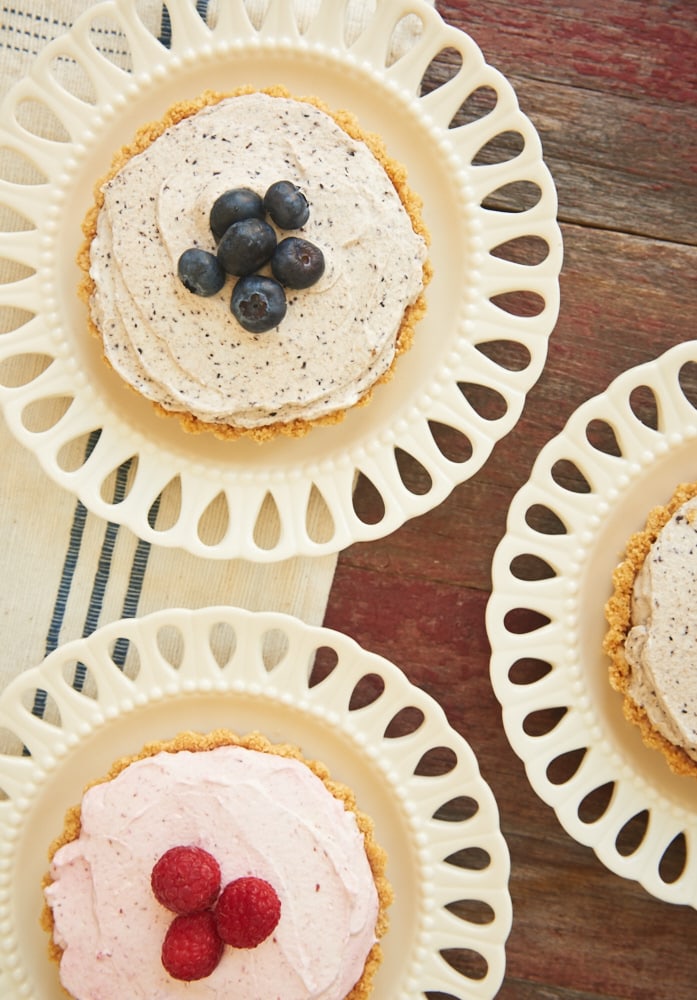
187,881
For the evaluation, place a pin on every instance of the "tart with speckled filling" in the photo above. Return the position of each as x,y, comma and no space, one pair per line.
652,634
188,353
262,811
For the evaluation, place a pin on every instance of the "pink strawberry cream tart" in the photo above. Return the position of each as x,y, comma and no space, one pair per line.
216,866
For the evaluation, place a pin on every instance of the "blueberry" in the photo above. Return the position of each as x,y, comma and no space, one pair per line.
232,206
297,263
287,205
246,246
258,303
200,272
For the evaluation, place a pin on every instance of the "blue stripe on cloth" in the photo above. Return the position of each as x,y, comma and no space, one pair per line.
135,579
135,586
96,603
77,530
166,23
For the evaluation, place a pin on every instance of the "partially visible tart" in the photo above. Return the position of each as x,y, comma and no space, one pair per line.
264,813
188,353
652,634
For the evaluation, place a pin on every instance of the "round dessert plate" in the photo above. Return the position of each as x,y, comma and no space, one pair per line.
467,148
147,679
620,454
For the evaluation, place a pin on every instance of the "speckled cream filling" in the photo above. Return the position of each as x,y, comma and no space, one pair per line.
652,639
188,354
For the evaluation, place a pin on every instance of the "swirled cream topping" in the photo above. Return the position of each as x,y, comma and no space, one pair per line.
188,353
256,813
661,647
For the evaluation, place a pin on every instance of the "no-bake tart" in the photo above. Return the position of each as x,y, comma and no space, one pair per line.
254,263
652,634
212,866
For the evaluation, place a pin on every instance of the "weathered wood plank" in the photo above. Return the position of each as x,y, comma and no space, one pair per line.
617,163
612,89
577,928
625,300
627,47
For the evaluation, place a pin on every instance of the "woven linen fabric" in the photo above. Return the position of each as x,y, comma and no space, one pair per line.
66,571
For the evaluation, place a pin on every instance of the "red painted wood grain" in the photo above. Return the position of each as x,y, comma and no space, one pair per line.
612,90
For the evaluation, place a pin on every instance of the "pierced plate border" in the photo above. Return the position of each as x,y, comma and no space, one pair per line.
303,488
581,550
149,678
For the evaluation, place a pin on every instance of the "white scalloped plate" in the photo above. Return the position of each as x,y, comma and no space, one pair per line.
251,671
647,465
309,478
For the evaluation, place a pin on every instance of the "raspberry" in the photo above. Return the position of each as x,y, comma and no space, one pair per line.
186,879
192,947
247,911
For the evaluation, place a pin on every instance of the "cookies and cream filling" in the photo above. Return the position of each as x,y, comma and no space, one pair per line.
661,646
188,353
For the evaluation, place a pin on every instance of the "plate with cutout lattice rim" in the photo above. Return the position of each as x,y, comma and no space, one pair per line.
620,454
149,678
289,496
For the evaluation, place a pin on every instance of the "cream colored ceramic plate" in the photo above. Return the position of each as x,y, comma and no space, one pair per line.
622,483
302,488
248,671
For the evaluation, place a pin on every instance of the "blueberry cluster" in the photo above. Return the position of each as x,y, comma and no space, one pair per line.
246,242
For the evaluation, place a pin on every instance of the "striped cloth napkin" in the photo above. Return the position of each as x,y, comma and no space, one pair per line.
67,571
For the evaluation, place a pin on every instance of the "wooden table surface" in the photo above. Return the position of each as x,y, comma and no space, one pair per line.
612,90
